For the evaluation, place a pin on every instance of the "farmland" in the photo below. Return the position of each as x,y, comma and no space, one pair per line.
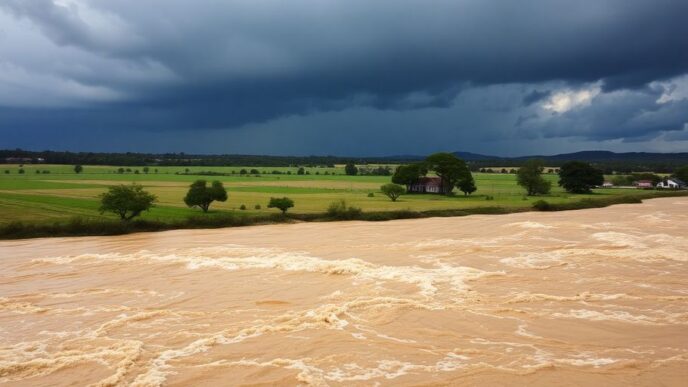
49,193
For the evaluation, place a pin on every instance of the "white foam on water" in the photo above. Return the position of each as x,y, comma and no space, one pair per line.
529,225
622,316
351,372
238,258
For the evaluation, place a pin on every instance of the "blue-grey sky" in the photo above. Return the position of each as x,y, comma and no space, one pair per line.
349,77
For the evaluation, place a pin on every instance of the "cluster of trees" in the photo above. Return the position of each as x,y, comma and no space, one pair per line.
574,177
452,171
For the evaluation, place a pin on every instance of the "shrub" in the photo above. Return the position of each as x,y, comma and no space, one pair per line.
542,205
21,171
489,197
393,191
242,207
257,207
7,171
340,210
371,195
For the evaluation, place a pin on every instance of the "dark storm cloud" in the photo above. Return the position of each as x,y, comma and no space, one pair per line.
155,66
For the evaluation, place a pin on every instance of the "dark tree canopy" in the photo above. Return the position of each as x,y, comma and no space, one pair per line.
78,168
449,168
408,174
283,204
529,176
467,184
350,169
579,177
127,201
200,195
682,173
392,191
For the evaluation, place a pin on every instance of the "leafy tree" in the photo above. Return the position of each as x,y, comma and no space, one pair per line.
579,177
7,171
146,170
127,201
529,176
350,169
200,195
449,168
255,171
682,173
408,174
243,172
467,184
282,203
120,170
21,171
393,191
78,168
301,171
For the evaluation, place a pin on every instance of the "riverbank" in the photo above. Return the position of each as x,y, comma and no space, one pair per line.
80,226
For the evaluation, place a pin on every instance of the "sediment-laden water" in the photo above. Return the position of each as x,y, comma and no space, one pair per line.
590,297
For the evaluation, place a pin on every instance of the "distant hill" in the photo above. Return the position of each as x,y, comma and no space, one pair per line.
609,161
589,156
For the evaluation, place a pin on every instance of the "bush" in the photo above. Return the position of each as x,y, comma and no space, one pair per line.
393,191
542,205
257,207
340,210
21,171
242,207
371,195
489,197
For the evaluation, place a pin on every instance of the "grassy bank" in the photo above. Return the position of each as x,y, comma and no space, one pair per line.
85,226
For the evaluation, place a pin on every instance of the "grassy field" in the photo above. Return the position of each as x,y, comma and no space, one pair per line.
62,194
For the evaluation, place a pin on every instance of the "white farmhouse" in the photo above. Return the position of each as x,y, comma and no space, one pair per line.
671,183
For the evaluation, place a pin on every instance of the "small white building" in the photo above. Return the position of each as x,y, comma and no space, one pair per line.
607,184
671,183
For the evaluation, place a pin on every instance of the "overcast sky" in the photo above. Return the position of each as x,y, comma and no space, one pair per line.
349,77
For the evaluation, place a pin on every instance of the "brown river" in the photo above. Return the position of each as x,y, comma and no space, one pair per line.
590,297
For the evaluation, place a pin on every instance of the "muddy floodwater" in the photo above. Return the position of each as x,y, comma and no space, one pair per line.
590,297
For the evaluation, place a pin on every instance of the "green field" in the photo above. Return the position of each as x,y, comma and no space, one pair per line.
62,194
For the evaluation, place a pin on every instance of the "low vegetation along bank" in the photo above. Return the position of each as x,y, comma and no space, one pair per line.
82,226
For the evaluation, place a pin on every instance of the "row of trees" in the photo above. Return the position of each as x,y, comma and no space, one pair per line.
452,171
129,201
